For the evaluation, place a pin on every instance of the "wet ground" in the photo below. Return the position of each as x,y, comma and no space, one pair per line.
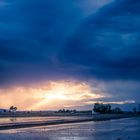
32,119
123,129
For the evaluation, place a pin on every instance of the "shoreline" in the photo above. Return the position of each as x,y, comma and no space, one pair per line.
104,117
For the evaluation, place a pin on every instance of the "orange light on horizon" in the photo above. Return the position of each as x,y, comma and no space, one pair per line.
50,95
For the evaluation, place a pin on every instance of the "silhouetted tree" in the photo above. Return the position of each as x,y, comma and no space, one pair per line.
101,108
108,108
67,111
117,110
97,107
13,109
134,110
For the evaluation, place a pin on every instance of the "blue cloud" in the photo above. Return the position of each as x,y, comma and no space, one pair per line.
43,39
49,40
107,43
31,35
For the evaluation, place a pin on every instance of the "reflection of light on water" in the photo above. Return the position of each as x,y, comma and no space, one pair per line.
123,128
74,138
13,119
12,131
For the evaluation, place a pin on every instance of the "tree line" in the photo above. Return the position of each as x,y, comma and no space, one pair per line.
106,108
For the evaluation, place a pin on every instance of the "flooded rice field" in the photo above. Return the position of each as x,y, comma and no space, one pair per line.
122,129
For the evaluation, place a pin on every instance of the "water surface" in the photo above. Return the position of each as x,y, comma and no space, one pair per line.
123,129
32,119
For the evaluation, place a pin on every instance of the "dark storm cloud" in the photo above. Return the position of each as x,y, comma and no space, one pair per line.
106,45
123,90
57,40
31,34
42,39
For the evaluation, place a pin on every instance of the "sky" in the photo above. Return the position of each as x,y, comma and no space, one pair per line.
69,53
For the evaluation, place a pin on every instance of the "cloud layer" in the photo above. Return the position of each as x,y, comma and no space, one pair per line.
42,40
33,36
106,45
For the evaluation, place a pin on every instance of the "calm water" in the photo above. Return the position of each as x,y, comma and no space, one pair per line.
31,119
123,129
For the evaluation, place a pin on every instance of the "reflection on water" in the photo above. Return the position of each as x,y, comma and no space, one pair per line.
14,119
31,119
123,129
24,119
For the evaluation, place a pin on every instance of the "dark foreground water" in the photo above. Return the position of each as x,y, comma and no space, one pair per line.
123,129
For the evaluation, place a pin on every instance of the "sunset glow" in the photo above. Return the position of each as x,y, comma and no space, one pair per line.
69,53
49,95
